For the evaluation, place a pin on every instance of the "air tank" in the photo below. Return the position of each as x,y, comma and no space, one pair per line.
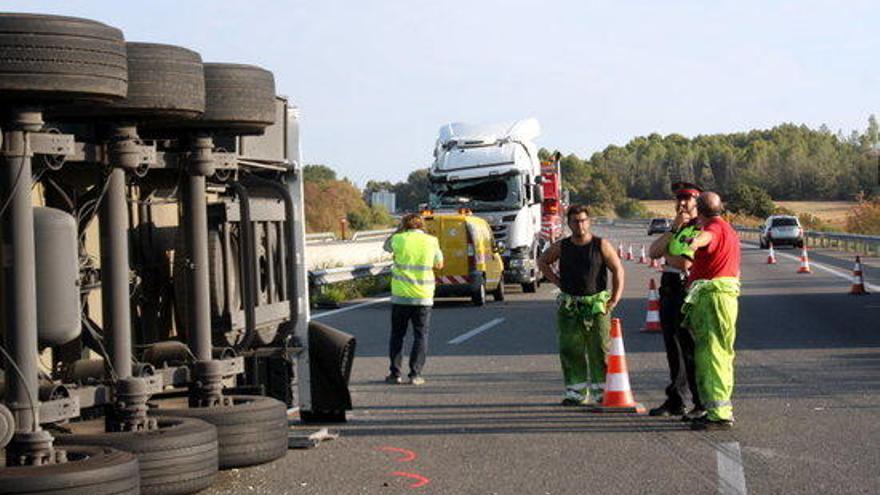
57,261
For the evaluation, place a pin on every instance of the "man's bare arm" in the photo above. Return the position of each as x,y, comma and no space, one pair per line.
617,273
680,262
701,240
547,258
658,247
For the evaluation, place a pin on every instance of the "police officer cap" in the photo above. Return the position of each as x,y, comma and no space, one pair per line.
682,188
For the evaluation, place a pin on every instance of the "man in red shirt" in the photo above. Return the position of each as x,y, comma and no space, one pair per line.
710,311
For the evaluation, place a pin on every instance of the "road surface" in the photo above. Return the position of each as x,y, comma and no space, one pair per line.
488,421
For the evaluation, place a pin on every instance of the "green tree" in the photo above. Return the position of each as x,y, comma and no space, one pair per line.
318,173
413,192
750,200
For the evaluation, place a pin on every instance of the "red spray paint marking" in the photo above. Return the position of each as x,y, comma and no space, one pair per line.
408,455
422,481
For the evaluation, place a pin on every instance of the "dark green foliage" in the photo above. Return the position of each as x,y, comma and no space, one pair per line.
413,192
749,200
318,173
630,208
789,162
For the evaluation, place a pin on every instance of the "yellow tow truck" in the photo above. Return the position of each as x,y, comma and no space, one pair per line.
472,261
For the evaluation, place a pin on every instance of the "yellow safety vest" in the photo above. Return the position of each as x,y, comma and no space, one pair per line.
412,276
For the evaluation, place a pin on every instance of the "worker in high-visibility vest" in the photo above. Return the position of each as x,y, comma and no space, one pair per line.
416,256
710,310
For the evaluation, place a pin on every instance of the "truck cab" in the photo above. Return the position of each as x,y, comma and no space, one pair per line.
494,171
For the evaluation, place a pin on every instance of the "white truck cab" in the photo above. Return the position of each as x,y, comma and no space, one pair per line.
494,171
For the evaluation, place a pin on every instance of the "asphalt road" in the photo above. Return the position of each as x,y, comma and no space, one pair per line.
488,419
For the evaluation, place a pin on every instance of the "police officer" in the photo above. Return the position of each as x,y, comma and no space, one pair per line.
675,248
416,256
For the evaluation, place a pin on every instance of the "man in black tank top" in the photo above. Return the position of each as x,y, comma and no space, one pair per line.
584,305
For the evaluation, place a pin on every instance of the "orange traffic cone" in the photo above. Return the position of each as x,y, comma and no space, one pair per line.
643,259
652,320
655,263
771,256
805,262
629,253
660,263
858,286
618,396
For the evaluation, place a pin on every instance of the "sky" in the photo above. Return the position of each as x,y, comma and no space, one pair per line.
375,80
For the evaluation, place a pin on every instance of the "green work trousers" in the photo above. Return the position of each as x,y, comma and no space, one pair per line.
583,343
711,316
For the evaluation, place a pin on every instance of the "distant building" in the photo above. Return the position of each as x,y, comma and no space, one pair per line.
386,199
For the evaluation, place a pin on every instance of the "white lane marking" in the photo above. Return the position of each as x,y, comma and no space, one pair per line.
846,276
480,329
731,476
349,308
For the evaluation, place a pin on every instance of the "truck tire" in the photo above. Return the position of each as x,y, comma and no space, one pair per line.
180,457
530,287
53,58
165,82
89,471
253,430
7,426
498,293
239,99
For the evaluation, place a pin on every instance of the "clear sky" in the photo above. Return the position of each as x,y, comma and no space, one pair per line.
376,79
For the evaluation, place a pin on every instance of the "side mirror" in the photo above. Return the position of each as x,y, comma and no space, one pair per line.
537,193
539,179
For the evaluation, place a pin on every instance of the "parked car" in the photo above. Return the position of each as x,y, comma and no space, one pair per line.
659,226
782,230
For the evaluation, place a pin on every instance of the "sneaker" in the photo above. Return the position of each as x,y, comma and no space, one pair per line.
416,380
706,424
393,379
572,398
666,409
695,413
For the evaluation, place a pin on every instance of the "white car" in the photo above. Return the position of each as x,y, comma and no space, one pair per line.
782,230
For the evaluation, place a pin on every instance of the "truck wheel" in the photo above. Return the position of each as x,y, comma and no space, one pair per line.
48,57
479,296
7,426
498,294
88,471
530,287
253,430
238,98
178,458
165,83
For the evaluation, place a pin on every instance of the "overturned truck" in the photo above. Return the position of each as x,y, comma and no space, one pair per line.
155,321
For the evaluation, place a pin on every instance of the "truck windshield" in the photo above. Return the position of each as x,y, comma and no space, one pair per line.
484,193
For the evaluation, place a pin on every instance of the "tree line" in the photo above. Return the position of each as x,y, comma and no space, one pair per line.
788,162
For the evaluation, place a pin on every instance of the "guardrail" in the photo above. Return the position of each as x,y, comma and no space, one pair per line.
857,243
317,278
363,235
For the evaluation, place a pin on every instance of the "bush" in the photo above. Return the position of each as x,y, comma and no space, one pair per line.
864,218
353,289
631,208
750,200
